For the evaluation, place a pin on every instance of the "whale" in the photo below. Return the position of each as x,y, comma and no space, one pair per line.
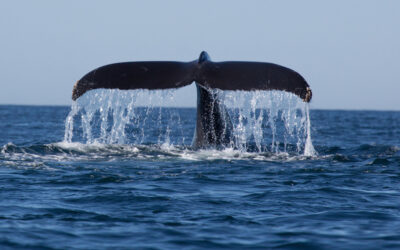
213,123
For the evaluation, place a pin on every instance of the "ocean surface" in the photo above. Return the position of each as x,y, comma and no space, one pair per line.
103,184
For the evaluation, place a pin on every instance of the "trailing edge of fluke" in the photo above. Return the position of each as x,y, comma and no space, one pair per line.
229,75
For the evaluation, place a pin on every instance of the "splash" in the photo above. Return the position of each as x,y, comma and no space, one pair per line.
271,121
263,121
120,117
308,147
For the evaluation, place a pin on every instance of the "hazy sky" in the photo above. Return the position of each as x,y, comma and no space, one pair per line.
348,51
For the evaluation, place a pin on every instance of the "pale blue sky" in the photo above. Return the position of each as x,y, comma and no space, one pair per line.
348,51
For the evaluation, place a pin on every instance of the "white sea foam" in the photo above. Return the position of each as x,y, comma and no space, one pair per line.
46,156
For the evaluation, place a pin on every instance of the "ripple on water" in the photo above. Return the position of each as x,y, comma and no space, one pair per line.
157,196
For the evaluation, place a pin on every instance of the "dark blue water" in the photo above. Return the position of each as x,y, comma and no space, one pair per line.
57,195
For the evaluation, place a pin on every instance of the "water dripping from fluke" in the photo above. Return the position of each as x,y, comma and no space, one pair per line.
308,147
263,121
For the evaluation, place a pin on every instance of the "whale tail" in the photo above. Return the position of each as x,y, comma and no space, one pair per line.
230,75
213,125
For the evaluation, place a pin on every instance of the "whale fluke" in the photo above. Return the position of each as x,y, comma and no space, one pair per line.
253,76
136,75
234,75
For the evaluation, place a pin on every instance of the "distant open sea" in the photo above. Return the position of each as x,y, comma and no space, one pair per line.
155,192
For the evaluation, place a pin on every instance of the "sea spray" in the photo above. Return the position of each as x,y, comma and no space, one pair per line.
308,147
271,121
120,117
69,122
263,121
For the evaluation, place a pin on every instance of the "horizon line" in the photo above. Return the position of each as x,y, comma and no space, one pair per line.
194,107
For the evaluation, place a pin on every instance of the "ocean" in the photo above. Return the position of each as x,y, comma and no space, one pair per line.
97,176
